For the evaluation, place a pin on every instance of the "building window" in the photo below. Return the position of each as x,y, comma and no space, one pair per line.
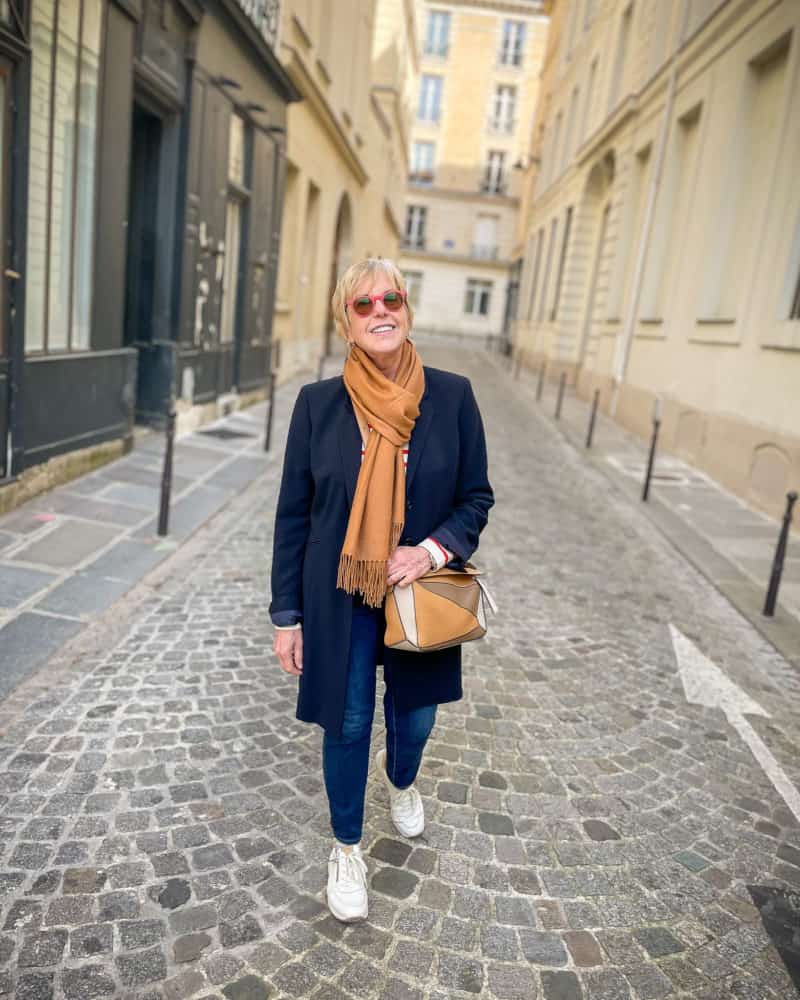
235,210
413,287
61,189
430,98
561,262
485,241
588,101
416,219
551,242
537,260
504,109
478,297
422,160
494,180
512,43
437,33
623,42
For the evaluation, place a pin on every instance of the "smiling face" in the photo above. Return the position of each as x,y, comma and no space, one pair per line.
381,334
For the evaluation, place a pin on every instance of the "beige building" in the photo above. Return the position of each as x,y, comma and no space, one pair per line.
347,143
479,73
660,227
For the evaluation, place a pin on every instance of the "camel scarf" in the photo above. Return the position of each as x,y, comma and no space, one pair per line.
378,511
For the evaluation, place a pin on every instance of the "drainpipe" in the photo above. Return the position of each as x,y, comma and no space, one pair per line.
623,351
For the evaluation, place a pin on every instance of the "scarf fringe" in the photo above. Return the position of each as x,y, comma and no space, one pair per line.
367,576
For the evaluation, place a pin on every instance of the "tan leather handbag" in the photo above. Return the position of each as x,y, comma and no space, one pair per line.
445,607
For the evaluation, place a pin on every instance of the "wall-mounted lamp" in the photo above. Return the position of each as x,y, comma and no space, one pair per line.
226,81
528,162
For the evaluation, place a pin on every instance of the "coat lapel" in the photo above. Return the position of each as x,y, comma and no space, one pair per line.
350,448
418,437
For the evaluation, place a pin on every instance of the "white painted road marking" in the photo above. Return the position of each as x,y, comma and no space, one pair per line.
705,684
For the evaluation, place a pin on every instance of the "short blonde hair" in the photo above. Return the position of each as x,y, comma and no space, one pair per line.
352,278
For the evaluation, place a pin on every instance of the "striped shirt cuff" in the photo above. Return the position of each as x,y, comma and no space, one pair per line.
288,628
440,555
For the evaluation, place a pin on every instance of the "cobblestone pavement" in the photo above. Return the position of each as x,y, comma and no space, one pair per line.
163,829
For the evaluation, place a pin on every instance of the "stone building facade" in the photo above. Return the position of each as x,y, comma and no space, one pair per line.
346,157
479,73
659,234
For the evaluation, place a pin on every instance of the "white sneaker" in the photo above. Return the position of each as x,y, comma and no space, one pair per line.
408,814
347,884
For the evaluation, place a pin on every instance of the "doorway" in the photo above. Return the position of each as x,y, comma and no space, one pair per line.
8,276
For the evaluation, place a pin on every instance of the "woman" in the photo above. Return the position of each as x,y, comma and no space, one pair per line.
384,479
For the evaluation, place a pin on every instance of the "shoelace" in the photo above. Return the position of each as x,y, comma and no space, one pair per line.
351,870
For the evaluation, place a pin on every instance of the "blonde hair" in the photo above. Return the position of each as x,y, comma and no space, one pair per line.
352,278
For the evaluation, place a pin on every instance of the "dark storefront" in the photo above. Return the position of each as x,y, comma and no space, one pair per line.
142,176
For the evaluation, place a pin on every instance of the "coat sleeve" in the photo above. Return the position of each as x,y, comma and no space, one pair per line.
293,514
473,495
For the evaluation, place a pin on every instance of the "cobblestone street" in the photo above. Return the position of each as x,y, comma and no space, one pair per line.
590,832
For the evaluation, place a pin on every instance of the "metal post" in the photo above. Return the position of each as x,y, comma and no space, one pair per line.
561,384
166,475
270,409
651,458
320,367
780,555
540,383
592,418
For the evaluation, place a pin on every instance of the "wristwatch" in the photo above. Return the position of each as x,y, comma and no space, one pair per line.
431,558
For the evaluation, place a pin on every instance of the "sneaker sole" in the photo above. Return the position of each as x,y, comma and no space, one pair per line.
358,919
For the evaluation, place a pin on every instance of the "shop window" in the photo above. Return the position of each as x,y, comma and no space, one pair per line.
65,70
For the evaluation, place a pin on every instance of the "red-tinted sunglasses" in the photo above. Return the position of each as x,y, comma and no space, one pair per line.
363,305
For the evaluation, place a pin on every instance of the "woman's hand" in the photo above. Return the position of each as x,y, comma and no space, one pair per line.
406,564
288,646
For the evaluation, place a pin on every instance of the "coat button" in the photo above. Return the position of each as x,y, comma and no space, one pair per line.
409,505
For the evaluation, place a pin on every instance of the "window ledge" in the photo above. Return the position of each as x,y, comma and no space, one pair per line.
716,320
651,320
323,71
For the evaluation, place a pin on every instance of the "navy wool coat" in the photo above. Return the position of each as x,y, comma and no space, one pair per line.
447,495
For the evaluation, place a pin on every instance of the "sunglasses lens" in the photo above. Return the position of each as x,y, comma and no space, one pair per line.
393,301
363,306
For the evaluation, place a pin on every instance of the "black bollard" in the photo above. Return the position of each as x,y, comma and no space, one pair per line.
270,409
166,476
592,418
540,383
651,458
320,368
561,384
780,555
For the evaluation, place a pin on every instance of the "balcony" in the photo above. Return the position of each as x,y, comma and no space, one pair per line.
499,187
501,126
413,243
482,251
422,178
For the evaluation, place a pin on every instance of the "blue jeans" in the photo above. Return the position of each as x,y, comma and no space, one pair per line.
345,758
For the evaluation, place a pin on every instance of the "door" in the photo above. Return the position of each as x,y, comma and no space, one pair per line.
8,276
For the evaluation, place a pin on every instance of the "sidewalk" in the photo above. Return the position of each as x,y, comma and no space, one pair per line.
731,544
68,555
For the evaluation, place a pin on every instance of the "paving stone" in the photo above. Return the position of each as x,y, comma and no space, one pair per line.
140,933
242,931
394,882
561,986
248,988
459,935
543,947
213,856
496,823
87,982
393,852
295,979
83,880
598,830
42,949
513,910
142,967
92,939
174,893
511,982
452,791
657,941
583,948
460,973
118,906
190,947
